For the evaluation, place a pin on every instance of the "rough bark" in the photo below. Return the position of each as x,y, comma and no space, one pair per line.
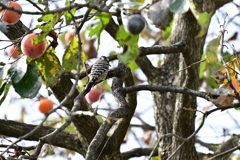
169,113
64,139
183,121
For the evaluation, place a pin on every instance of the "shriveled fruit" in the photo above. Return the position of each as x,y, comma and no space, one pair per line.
45,105
88,46
68,37
135,24
30,49
89,49
14,53
11,17
93,95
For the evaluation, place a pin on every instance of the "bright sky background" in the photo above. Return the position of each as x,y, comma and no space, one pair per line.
214,125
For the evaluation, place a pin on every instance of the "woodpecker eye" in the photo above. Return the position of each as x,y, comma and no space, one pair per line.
104,58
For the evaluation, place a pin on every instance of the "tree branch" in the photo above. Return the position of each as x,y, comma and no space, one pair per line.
121,112
168,89
138,152
58,10
207,145
157,49
225,150
118,136
15,129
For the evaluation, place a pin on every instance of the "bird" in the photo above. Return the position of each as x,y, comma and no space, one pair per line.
98,72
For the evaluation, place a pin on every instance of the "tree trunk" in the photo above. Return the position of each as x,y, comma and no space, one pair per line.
170,115
183,122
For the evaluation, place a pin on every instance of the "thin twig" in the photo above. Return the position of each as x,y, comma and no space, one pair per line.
225,64
200,126
35,5
25,136
71,92
155,147
166,135
189,138
58,10
225,152
187,67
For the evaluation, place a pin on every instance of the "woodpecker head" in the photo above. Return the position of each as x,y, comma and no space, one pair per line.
104,58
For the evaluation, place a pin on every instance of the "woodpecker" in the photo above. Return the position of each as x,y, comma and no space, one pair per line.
98,72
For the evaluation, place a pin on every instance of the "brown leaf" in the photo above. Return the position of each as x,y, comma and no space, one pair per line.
225,100
234,37
219,77
147,136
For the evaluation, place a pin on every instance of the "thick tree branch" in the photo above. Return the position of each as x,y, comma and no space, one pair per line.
143,126
220,3
63,139
142,60
16,31
157,49
207,145
86,125
121,112
138,152
168,89
118,136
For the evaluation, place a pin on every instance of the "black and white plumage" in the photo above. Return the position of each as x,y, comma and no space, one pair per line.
98,72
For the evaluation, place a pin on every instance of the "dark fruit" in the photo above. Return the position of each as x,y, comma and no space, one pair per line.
135,24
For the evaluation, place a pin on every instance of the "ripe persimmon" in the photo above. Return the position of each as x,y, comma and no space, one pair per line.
13,52
30,49
93,95
45,105
11,17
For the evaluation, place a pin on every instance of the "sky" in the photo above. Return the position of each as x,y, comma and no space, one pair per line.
214,125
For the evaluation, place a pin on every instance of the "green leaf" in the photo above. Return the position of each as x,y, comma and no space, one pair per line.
49,66
133,66
70,57
46,18
51,20
19,68
204,20
203,66
4,89
104,20
210,81
179,6
4,72
30,84
167,32
126,39
69,14
212,50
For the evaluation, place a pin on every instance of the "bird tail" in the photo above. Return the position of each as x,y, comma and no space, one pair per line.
88,86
